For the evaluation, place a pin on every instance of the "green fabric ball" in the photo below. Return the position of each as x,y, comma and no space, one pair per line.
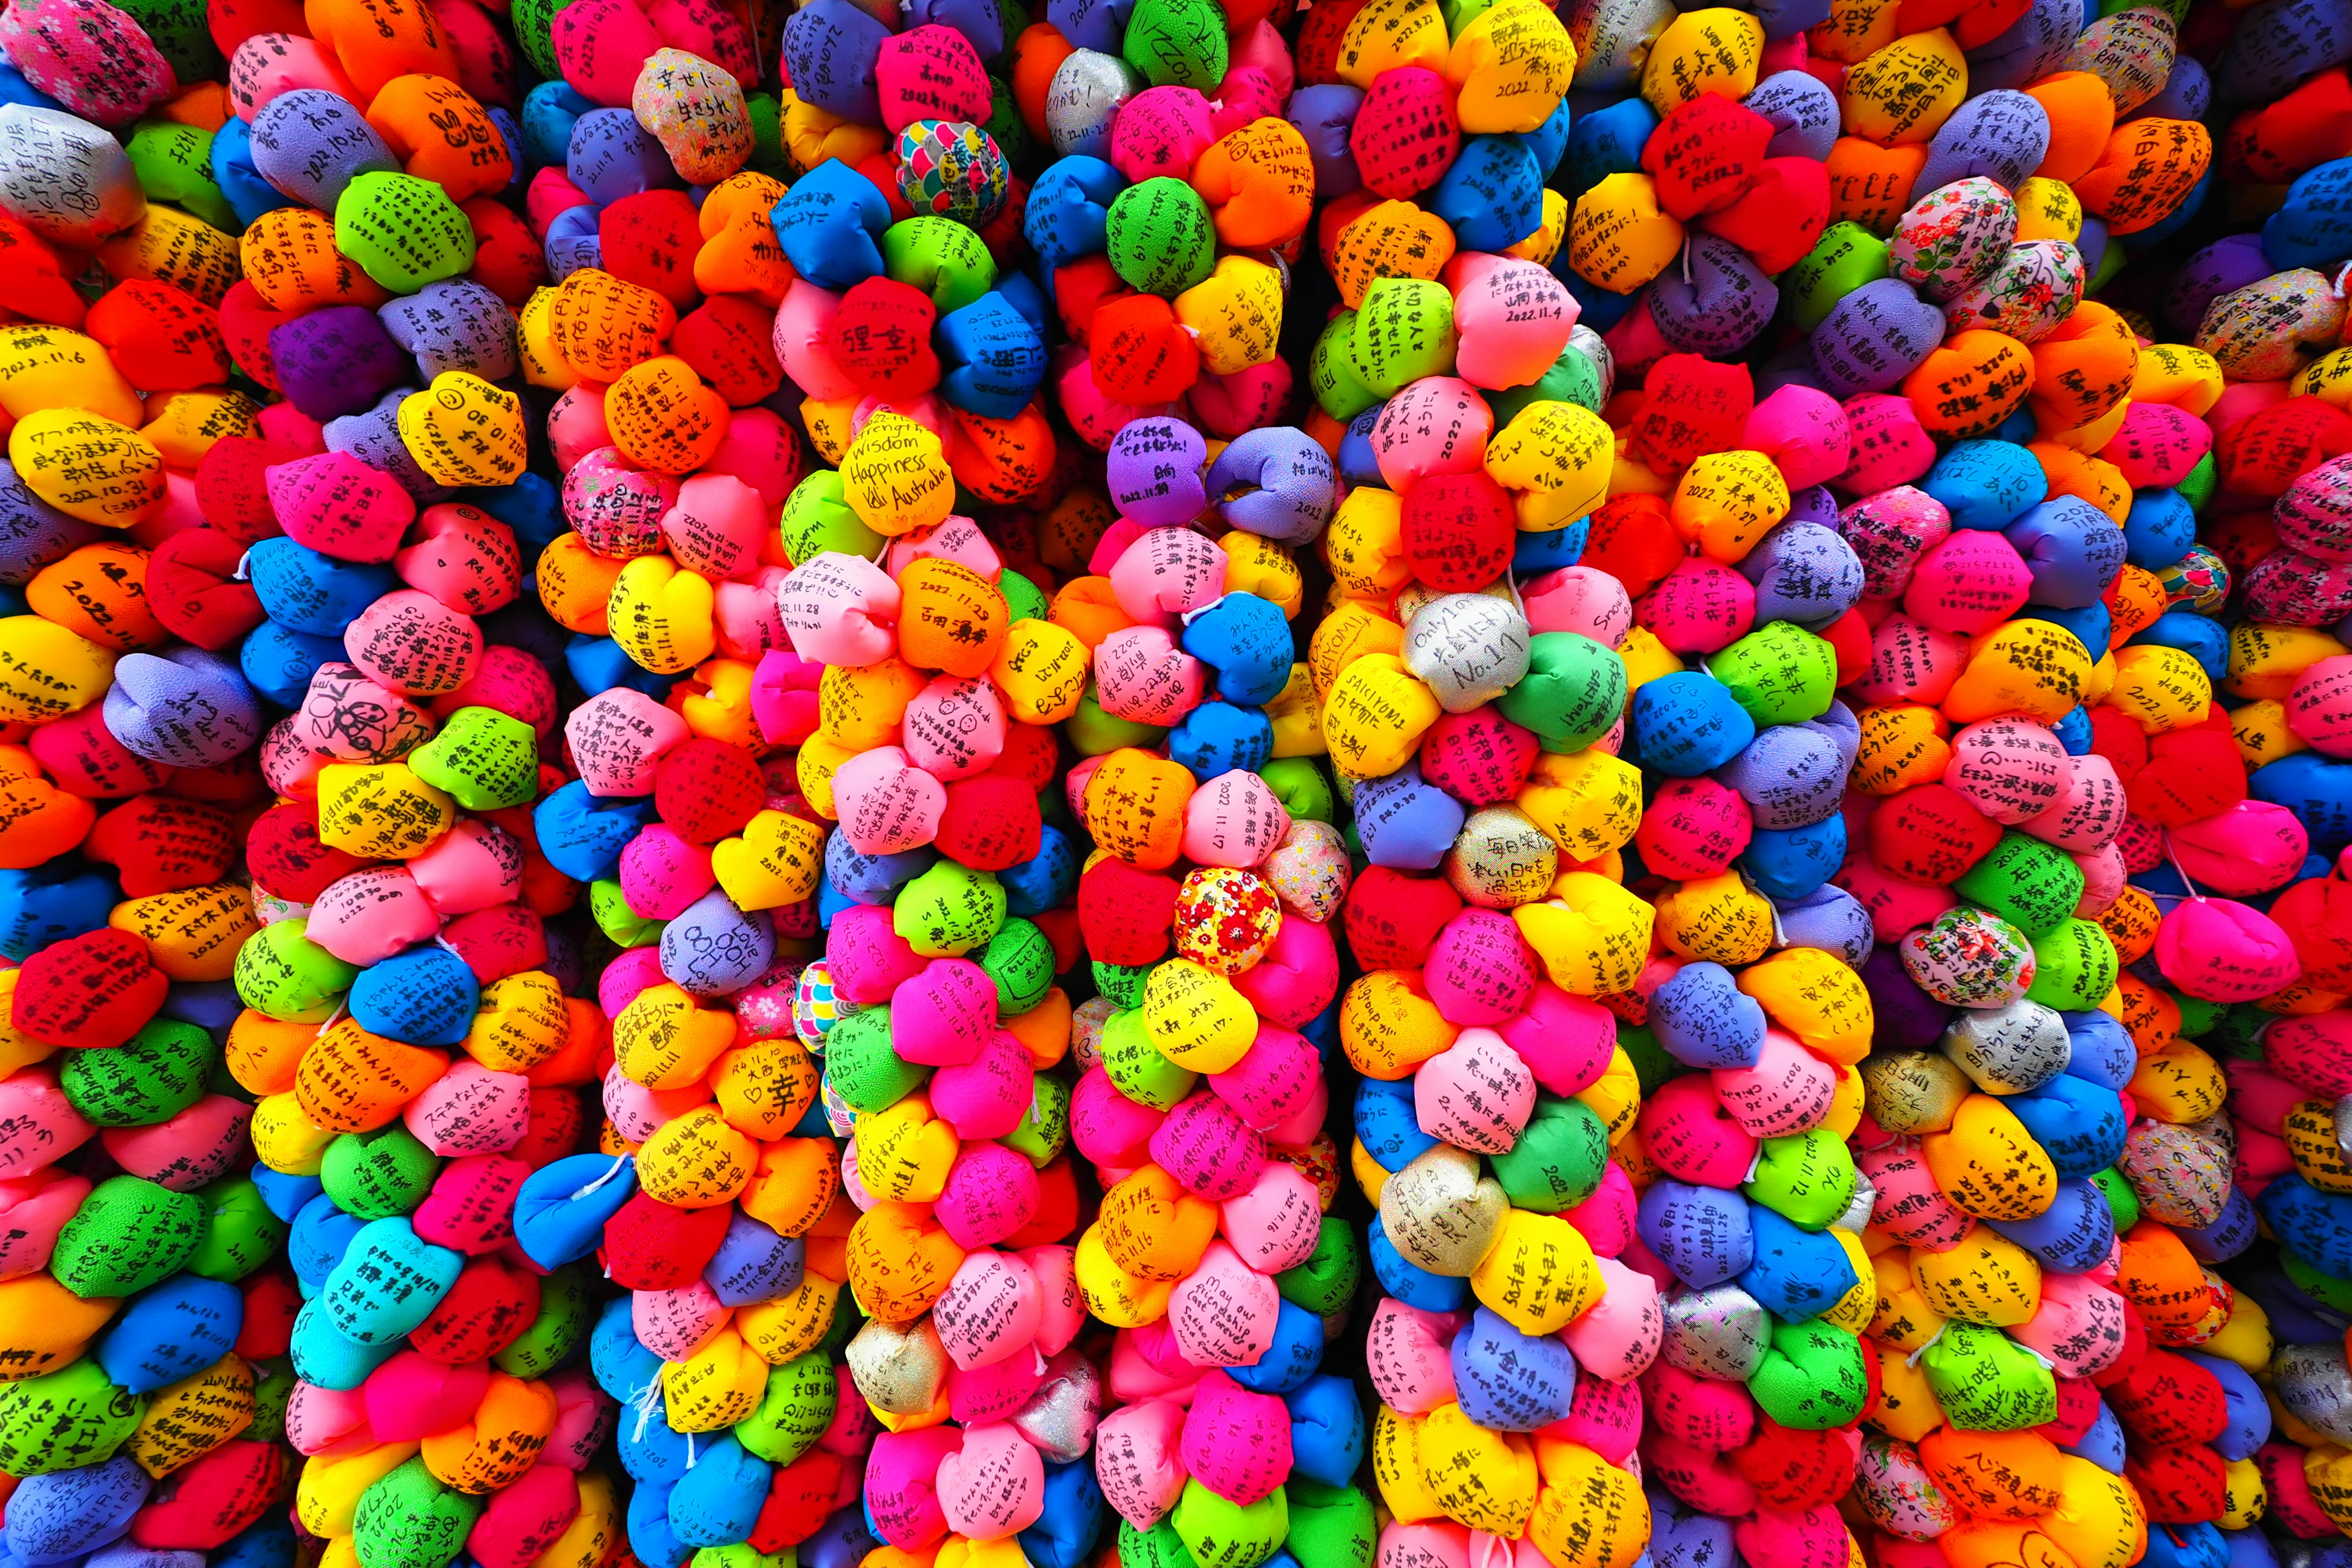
818,519
241,1232
1330,1527
1327,1281
1159,1547
1339,391
378,1174
941,256
1844,259
1021,961
1023,600
1812,1378
2122,1202
1403,331
64,1419
1096,734
482,758
1652,1064
2032,884
1301,787
794,1411
1220,1533
181,34
1806,1178
1573,692
1177,43
1780,673
129,1234
403,233
1560,1159
1986,1381
1136,1067
568,1303
281,973
408,1519
948,909
2202,480
2074,966
622,926
273,1387
1123,984
864,1068
1162,239
148,1078
173,164
1573,378
1044,1130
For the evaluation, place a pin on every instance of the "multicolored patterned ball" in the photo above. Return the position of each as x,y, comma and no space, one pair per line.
816,1009
1969,958
953,169
2199,580
1226,918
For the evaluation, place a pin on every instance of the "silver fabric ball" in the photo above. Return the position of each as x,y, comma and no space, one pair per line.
1720,1333
2011,1049
1470,648
1084,98
2315,1385
1059,1419
66,179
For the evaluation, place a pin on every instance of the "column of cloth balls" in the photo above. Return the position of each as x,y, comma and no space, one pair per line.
938,1013
1474,728
404,904
1202,906
140,1413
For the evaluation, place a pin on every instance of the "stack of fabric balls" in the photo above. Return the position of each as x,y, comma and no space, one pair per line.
936,1008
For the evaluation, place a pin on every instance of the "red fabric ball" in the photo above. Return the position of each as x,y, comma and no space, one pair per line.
1139,353
503,940
2169,1399
507,258
650,240
2266,451
649,1245
1127,914
1058,1207
161,338
990,823
1029,755
232,491
94,991
193,588
706,790
520,1521
2190,775
1795,1469
1392,918
38,287
272,1300
730,343
202,1506
2317,915
1459,530
493,1301
1704,155
800,1499
1689,406
554,1129
1479,757
246,319
1929,836
1633,541
2179,1485
882,339
287,861
85,758
158,844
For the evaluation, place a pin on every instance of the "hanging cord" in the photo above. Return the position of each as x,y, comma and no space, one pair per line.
2177,869
618,1160
642,1399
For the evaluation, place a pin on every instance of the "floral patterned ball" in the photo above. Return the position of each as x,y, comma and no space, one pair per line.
1969,958
953,169
1226,918
2198,580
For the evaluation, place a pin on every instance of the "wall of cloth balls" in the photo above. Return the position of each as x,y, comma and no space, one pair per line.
1175,783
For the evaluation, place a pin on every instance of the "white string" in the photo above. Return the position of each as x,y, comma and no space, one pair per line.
643,1400
333,1018
618,1161
1912,1359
